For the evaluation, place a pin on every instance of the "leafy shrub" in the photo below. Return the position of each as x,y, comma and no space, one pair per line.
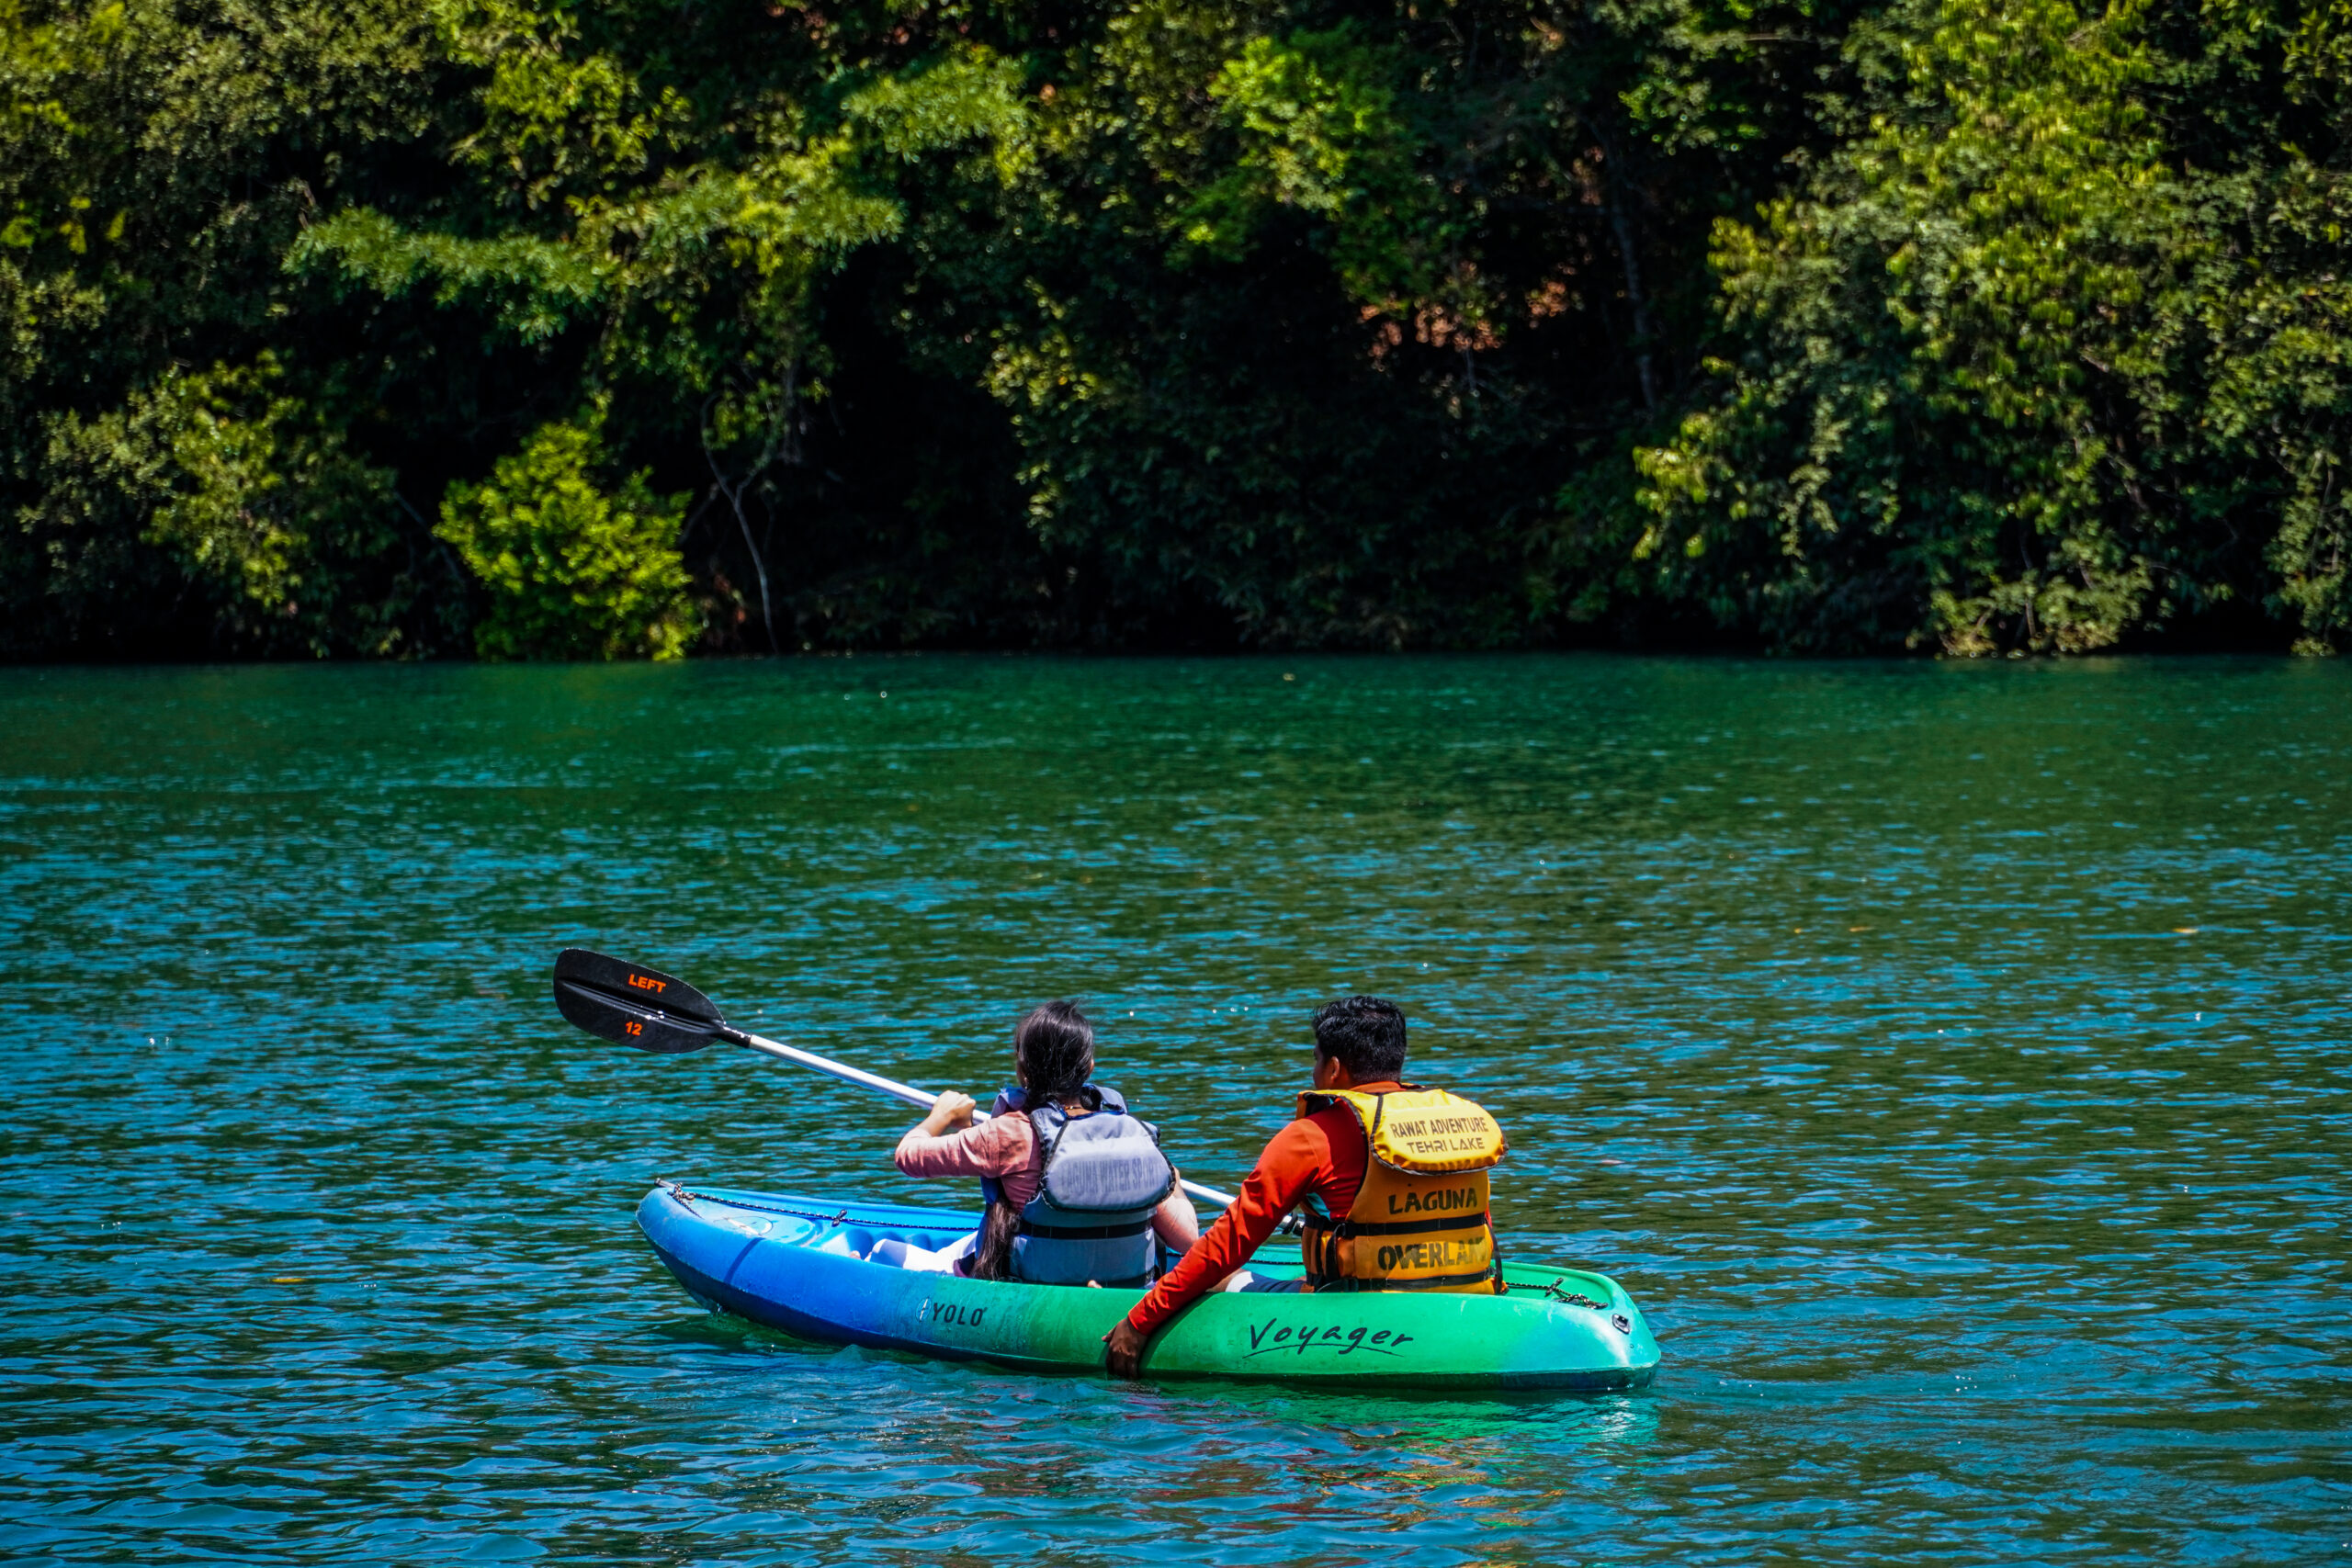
572,571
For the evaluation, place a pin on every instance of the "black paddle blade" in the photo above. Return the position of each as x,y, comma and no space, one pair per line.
632,1005
648,987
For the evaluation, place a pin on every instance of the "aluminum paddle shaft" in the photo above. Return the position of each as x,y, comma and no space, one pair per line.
891,1086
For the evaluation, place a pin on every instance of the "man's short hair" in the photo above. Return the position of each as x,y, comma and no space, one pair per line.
1363,1034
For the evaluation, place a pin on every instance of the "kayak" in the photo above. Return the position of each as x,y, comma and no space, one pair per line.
801,1264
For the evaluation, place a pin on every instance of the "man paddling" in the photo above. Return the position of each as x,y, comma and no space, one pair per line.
1394,1180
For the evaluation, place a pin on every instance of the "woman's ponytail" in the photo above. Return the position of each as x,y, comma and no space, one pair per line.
1053,1054
994,1260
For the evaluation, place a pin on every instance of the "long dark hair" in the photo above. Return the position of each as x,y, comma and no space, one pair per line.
1053,1052
1053,1055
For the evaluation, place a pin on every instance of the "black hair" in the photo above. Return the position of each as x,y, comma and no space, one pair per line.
1052,1054
1053,1050
1363,1034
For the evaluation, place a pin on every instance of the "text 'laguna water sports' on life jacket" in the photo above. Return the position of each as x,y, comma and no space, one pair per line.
1420,1219
1101,1178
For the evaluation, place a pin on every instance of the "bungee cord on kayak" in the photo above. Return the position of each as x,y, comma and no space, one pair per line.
1086,1253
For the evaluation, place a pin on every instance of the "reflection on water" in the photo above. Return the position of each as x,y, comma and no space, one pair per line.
1950,1060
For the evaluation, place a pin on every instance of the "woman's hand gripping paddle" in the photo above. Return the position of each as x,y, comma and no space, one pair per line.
632,1005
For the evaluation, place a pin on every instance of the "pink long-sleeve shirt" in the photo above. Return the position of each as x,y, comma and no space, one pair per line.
1006,1147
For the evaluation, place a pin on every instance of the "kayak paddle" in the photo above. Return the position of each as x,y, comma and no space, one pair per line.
632,1005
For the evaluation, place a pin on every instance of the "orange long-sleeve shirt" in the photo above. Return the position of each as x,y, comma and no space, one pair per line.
1320,1155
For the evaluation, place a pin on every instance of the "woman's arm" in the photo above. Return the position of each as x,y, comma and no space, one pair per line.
997,1146
1176,1222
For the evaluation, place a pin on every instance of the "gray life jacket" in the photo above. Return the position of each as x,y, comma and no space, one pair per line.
1103,1176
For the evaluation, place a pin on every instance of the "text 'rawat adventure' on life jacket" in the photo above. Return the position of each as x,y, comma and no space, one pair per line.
1103,1176
1419,1220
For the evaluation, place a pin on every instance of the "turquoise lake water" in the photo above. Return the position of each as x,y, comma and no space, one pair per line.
1955,1061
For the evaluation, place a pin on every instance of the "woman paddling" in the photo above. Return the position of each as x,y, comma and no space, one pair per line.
1077,1190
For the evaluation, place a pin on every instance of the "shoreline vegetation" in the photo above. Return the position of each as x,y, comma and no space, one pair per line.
515,328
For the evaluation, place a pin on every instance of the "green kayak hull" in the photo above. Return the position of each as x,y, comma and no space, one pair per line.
798,1263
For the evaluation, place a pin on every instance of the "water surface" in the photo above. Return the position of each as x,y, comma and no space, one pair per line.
1950,1058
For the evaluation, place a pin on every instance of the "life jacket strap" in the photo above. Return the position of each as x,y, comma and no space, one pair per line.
1084,1232
1345,1229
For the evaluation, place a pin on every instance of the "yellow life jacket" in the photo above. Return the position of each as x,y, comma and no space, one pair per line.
1419,1220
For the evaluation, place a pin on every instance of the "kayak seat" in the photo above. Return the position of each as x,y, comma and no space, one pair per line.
849,1241
856,1241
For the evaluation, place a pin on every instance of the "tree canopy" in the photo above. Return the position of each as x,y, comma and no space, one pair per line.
535,329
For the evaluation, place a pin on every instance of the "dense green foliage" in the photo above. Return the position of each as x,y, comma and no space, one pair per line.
2051,349
536,329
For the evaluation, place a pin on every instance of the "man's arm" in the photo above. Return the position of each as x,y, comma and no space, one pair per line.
1285,1173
